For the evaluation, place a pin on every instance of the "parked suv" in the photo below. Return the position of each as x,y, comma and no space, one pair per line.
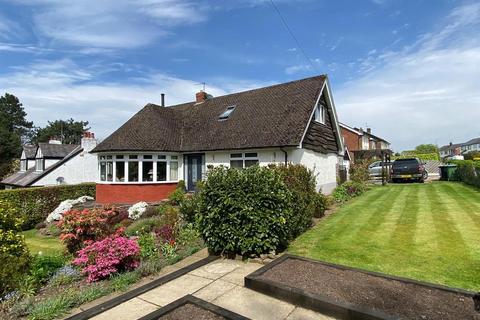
408,169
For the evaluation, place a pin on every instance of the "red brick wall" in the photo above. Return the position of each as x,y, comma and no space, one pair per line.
133,193
352,140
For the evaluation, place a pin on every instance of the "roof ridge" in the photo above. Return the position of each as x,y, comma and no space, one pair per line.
245,91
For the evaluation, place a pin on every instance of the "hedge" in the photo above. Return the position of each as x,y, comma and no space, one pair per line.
34,204
421,156
468,171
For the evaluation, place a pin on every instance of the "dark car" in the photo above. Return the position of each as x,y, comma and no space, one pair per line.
408,169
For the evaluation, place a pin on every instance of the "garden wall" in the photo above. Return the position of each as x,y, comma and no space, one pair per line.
34,204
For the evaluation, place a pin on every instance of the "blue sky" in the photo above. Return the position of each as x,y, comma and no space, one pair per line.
409,69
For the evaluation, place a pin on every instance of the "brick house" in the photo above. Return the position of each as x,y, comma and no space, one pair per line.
291,122
356,139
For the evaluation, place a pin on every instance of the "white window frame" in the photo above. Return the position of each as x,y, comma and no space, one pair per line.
320,113
118,158
243,158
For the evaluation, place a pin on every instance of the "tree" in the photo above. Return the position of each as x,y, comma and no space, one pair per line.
426,148
472,155
69,131
14,128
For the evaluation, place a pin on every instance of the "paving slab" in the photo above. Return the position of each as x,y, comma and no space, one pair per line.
238,275
254,305
175,289
132,309
305,314
217,269
214,290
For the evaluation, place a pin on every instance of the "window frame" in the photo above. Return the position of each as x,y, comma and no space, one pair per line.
320,113
242,156
124,159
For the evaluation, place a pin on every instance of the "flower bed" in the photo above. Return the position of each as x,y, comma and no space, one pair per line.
101,259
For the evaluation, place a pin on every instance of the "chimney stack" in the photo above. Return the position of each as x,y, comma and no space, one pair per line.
201,96
88,141
163,99
369,130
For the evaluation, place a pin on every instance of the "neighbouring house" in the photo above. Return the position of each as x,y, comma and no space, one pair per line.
291,122
455,150
54,163
362,141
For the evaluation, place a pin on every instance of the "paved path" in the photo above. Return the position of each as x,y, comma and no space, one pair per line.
221,283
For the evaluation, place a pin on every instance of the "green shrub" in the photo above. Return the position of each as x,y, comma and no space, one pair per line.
14,255
321,204
176,197
301,183
146,225
244,211
44,266
189,207
348,190
468,171
34,204
148,248
359,171
421,156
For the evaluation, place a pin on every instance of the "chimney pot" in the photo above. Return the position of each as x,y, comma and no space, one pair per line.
369,130
201,96
163,99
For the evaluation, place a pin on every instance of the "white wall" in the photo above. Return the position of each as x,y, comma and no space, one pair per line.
81,168
324,167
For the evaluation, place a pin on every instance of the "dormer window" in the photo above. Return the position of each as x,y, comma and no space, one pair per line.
320,112
39,164
226,113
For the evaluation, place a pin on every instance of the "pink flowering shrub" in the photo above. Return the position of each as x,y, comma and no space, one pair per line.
111,255
79,228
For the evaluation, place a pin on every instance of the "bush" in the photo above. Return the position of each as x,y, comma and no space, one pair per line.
189,207
468,171
148,248
145,225
321,204
165,233
111,255
177,196
14,256
35,204
87,225
301,183
359,171
44,266
244,211
170,216
348,190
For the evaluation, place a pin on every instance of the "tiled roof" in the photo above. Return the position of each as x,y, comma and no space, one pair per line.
50,150
30,151
272,116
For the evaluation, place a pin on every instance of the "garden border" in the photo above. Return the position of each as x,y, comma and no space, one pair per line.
96,310
197,302
325,304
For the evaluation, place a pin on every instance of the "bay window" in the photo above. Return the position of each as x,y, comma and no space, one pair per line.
138,168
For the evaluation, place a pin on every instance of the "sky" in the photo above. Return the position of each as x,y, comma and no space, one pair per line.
410,70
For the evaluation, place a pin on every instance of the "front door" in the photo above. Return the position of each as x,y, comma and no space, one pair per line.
194,169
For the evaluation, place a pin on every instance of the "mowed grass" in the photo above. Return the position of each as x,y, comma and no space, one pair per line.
39,243
428,232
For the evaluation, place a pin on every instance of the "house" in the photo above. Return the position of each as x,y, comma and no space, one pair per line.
356,140
54,163
459,149
291,122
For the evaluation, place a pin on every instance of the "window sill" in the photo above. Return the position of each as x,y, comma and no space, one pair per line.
136,182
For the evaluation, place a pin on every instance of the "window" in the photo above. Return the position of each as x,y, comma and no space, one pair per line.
138,168
319,114
225,114
161,171
39,164
243,160
147,171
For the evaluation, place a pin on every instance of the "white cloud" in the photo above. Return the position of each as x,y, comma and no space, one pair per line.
110,23
427,93
61,89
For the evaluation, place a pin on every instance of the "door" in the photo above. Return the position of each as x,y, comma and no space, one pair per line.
194,170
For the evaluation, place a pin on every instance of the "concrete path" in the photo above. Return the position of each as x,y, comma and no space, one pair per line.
221,283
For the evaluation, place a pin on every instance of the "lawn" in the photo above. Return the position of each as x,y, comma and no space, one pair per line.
46,244
428,232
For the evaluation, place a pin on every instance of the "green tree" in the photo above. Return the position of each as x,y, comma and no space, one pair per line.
69,131
426,148
14,128
472,155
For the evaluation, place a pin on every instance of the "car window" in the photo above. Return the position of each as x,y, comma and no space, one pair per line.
405,162
375,164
